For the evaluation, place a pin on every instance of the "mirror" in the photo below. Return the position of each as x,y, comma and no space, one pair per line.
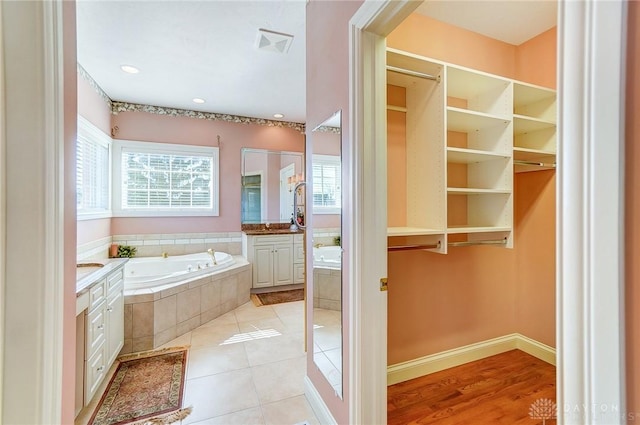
326,149
268,179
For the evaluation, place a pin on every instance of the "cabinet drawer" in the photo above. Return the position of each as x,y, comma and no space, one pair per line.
298,253
113,280
97,294
95,331
298,238
271,239
94,373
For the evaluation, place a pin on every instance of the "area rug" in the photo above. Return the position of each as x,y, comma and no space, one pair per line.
268,298
146,388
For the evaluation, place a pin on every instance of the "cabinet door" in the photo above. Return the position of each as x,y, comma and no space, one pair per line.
283,264
263,266
95,331
115,323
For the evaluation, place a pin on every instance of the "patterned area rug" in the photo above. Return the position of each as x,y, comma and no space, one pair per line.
269,298
146,388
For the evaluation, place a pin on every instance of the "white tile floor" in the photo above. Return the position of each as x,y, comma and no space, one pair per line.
247,367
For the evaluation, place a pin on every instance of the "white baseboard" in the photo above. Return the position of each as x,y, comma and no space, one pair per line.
416,368
317,404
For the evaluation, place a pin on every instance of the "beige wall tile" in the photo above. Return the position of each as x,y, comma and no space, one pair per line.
188,325
164,336
128,321
210,296
228,289
164,313
188,304
142,320
142,344
210,314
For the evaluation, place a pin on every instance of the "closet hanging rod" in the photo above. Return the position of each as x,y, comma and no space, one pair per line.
413,247
538,164
413,73
486,242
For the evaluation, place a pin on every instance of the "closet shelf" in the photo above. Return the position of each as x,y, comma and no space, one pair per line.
526,94
524,124
467,83
477,229
467,121
412,231
470,156
472,191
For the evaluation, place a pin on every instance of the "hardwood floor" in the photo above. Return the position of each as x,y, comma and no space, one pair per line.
496,390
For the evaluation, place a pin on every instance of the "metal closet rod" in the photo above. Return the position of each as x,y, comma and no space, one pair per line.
412,247
538,164
485,242
413,73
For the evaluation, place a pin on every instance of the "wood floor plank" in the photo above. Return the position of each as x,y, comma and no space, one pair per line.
497,390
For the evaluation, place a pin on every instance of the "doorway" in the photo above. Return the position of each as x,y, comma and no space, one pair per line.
579,383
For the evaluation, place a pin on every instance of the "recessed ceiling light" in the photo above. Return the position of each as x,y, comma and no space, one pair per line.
278,115
129,69
198,100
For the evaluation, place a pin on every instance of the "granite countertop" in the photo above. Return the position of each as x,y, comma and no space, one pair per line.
273,232
270,229
90,272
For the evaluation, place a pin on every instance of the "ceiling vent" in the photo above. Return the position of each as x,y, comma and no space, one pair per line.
273,41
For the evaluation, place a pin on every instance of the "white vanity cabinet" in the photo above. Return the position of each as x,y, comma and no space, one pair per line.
275,259
100,332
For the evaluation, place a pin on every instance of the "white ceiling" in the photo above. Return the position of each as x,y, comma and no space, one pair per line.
511,21
207,48
203,49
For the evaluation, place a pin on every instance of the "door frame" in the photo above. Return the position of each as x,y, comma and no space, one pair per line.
589,210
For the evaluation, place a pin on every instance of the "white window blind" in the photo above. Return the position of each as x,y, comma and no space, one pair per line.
92,171
327,176
163,179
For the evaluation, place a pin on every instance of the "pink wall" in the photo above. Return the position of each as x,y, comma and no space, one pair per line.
93,107
327,91
70,132
632,212
454,45
534,60
147,127
474,293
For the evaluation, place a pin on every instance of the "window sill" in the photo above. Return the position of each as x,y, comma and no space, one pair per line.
161,213
93,215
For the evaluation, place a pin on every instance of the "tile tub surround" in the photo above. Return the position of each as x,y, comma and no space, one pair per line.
327,288
325,235
153,245
155,316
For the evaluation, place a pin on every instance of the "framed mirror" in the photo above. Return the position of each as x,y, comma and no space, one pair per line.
326,178
268,179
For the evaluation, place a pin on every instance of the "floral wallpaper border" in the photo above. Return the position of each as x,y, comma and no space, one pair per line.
84,74
328,129
117,107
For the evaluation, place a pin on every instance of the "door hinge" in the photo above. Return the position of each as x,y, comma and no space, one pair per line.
383,284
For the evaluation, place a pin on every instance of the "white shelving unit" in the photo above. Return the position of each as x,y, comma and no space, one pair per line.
466,133
534,116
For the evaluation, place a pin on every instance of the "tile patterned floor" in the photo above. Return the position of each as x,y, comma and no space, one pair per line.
247,367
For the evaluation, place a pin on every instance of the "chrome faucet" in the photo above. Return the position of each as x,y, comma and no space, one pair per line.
212,253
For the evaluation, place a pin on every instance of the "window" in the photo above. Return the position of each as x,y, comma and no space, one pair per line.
160,179
92,171
327,196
